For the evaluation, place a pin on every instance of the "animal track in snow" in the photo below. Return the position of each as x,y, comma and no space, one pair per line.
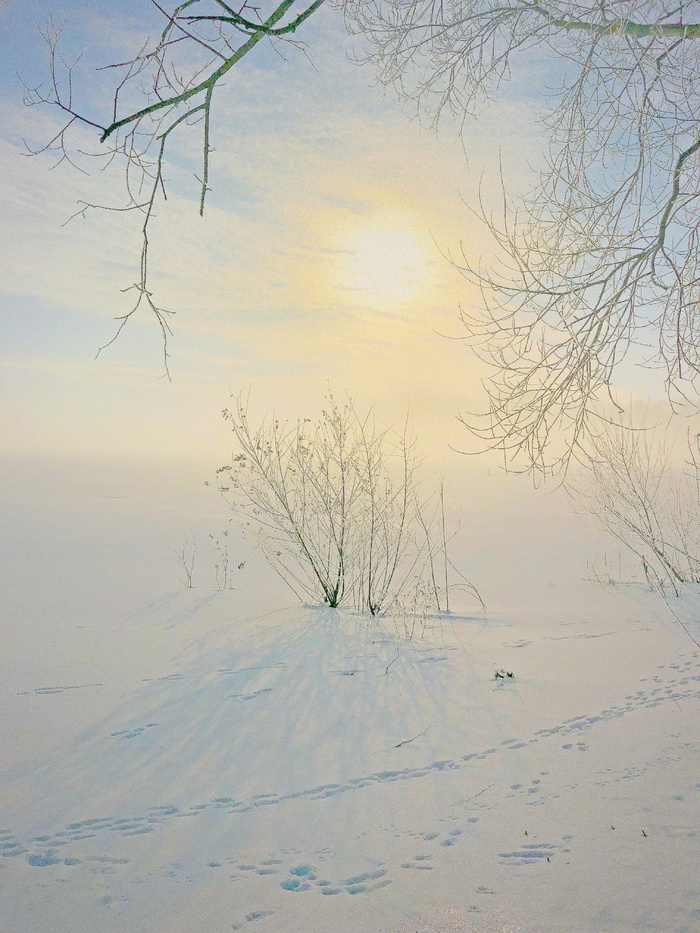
533,792
528,854
242,670
42,859
249,696
582,635
10,845
167,677
253,916
44,691
132,733
683,685
300,880
302,877
444,839
419,862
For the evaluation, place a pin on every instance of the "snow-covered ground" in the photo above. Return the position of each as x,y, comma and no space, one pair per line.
180,761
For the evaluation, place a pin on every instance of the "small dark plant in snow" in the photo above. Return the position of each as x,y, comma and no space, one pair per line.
334,504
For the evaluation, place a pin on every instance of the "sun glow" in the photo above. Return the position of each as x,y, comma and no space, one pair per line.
386,264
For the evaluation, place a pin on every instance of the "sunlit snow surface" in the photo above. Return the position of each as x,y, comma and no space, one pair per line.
193,760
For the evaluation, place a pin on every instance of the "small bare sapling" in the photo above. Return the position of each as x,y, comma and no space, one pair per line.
222,560
185,557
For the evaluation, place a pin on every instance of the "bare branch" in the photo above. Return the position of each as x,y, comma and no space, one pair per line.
604,248
178,91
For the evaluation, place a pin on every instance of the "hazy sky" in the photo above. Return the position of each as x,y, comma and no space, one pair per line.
320,257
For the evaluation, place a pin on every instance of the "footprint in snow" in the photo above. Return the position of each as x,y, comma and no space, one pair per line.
419,862
248,696
303,878
42,859
528,854
45,691
132,733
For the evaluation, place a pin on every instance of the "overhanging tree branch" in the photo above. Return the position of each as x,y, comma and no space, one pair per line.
178,75
604,250
238,20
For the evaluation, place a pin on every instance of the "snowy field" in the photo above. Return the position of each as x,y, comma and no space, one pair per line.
181,761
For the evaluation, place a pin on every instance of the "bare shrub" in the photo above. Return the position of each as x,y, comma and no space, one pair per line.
630,491
335,505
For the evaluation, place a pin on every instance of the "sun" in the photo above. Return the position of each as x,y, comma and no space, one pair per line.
385,264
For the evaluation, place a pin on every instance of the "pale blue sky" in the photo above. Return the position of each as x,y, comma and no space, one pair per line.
322,190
